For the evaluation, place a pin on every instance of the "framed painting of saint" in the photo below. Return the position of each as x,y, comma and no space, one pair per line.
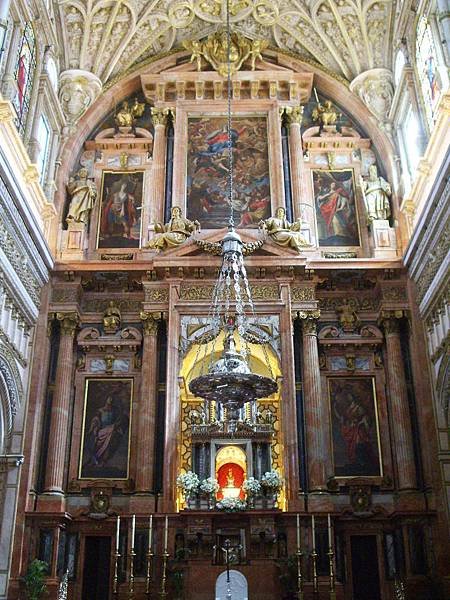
119,223
354,427
105,436
335,204
207,171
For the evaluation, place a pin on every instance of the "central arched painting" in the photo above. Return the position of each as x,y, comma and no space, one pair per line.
208,167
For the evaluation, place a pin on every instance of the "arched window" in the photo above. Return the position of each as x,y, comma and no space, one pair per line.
399,64
426,62
52,71
24,75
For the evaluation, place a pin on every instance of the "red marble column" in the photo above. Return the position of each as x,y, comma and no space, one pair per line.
61,403
147,407
398,404
156,201
303,208
315,407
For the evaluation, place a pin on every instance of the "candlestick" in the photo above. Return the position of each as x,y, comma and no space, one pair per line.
163,593
133,530
300,595
150,532
118,534
131,580
314,556
166,532
329,531
332,578
116,572
298,532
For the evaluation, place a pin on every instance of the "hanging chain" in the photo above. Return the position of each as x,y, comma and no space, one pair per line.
229,140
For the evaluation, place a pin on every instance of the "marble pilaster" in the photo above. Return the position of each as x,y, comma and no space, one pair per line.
398,402
157,189
315,413
302,210
147,410
61,403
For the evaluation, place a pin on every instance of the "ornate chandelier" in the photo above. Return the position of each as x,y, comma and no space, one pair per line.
230,380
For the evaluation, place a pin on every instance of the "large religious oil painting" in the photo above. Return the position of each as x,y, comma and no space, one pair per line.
120,210
208,167
354,427
334,194
105,439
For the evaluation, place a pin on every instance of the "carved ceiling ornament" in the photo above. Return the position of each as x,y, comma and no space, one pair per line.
108,38
215,51
376,89
78,90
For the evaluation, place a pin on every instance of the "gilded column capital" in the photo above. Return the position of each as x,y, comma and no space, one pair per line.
389,320
309,320
293,114
69,322
150,322
160,116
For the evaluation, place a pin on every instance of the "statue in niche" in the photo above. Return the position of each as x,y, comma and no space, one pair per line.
325,115
83,194
112,318
376,191
230,479
284,233
127,115
174,233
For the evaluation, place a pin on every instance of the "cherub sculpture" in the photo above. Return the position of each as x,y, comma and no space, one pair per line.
127,115
112,318
174,233
284,233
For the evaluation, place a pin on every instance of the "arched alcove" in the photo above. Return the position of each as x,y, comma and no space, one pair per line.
237,584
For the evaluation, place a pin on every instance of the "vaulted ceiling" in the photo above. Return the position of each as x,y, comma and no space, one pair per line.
107,37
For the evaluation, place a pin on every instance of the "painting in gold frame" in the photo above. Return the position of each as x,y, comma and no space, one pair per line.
105,435
207,170
354,427
335,204
119,224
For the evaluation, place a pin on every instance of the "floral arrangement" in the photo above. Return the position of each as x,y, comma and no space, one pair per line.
251,486
188,482
231,505
271,480
209,485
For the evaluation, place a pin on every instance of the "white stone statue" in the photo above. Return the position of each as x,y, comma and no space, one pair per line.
82,194
376,191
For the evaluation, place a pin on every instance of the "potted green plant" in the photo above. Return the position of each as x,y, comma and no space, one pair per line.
34,580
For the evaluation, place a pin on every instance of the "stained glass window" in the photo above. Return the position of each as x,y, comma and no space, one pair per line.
426,61
24,75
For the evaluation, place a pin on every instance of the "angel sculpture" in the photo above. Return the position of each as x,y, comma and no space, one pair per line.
174,233
127,115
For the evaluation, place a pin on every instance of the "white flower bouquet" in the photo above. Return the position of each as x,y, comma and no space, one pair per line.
209,485
231,505
251,486
271,481
188,482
